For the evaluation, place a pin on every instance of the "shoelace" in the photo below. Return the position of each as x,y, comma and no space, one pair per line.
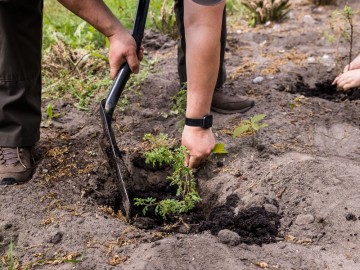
10,156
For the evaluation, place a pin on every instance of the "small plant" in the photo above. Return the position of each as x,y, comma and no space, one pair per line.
165,22
179,106
341,28
348,14
250,127
182,178
8,260
262,11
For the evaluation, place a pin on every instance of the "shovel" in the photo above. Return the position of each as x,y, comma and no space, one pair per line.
107,107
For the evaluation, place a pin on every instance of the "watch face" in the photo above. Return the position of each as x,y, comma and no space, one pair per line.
208,120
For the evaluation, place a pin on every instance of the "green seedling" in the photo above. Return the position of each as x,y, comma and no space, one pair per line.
8,260
49,116
186,196
296,102
341,28
348,14
250,127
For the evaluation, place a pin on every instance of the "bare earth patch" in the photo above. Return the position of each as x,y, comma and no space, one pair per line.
291,201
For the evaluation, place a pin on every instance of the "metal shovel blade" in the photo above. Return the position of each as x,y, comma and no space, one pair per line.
107,107
116,160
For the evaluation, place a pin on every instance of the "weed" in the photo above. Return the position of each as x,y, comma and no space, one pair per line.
250,127
296,102
262,11
182,178
179,106
8,260
165,22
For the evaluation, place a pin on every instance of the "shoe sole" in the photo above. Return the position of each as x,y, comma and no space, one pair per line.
214,109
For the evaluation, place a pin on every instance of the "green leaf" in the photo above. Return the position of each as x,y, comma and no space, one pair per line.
240,130
257,118
49,111
219,149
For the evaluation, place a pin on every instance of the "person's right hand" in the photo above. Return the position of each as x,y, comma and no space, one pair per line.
347,80
200,142
123,49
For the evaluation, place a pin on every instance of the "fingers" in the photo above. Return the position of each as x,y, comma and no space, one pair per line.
193,161
133,61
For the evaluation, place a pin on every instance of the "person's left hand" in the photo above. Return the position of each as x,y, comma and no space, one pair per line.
200,142
347,80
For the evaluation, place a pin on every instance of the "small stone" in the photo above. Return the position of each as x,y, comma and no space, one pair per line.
270,208
304,219
57,238
311,59
258,79
351,217
229,237
308,19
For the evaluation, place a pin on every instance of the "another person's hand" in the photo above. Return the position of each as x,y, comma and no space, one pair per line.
200,142
347,80
123,49
355,64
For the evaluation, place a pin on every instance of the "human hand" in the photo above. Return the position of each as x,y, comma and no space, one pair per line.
355,64
200,142
123,49
348,80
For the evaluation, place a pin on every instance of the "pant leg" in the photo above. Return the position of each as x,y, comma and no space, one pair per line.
20,72
179,12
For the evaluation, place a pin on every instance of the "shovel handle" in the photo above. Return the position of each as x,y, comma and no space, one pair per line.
125,71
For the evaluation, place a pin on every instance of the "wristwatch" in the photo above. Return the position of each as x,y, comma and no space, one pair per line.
205,122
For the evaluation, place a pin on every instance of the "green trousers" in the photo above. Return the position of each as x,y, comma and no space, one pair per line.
20,72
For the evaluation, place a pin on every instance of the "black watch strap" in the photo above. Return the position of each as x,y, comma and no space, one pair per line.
205,122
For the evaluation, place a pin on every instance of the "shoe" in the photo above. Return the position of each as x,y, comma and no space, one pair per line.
227,104
15,165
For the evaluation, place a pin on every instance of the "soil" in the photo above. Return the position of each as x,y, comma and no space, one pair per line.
286,199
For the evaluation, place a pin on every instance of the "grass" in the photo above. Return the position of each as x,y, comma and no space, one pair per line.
75,64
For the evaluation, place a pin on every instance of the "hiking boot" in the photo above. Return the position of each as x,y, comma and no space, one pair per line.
15,165
227,104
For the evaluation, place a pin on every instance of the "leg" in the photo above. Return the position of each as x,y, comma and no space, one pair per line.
221,102
179,12
202,33
20,85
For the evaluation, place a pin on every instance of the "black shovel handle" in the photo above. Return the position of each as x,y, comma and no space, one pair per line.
125,71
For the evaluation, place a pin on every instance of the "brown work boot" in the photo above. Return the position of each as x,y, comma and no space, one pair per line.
227,103
15,165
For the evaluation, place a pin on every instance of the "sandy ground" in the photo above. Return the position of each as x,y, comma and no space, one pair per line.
300,177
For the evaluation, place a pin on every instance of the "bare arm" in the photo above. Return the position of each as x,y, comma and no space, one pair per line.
202,32
122,44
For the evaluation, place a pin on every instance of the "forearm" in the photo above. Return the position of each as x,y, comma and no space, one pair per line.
202,55
96,13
